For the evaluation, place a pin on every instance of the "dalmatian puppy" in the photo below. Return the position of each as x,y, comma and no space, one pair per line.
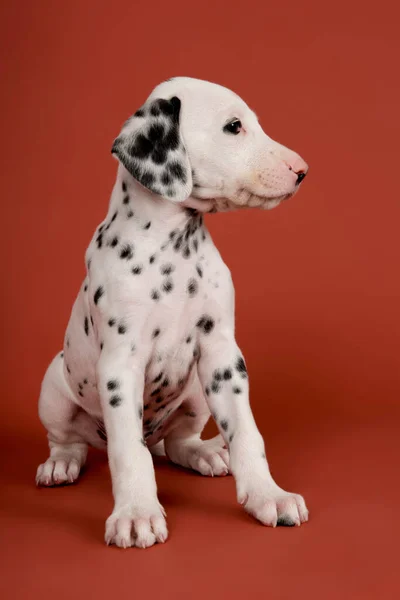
150,349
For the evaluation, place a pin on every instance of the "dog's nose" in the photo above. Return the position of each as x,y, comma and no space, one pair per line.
300,176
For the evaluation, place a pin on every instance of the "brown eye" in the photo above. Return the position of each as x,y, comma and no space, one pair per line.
233,127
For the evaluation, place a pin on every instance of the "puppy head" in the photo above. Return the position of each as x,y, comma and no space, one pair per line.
198,143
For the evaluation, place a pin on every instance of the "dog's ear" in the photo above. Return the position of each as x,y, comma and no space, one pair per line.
151,148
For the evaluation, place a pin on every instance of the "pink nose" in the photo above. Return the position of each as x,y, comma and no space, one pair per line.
300,167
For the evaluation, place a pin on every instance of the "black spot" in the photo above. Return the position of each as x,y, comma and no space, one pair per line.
203,236
140,412
207,391
155,132
146,406
195,245
122,329
139,113
85,288
188,339
115,400
167,286
102,435
215,387
176,170
178,243
112,384
125,200
186,252
91,320
224,424
206,324
190,413
199,270
158,378
98,294
162,106
147,422
192,212
173,233
68,369
192,287
159,155
143,442
236,390
166,179
85,381
129,214
126,252
156,333
101,346
80,386
285,522
165,383
231,438
141,148
218,375
171,140
155,392
80,393
137,269
263,455
227,374
147,179
155,295
152,258
86,325
114,216
114,242
148,225
241,367
167,269
89,262
124,186
155,109
99,240
159,399
111,322
148,434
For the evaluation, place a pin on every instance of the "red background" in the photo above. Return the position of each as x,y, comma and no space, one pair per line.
317,284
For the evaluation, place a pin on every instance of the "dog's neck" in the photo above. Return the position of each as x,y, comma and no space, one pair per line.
137,203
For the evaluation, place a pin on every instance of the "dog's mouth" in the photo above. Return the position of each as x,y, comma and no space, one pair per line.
246,199
243,199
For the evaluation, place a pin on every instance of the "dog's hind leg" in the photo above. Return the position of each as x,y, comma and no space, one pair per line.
183,444
69,428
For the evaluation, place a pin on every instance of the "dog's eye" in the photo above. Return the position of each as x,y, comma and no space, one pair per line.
233,127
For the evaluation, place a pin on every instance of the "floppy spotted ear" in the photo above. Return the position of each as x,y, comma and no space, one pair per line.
151,148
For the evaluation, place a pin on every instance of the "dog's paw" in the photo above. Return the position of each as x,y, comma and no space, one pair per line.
209,461
273,506
142,528
59,471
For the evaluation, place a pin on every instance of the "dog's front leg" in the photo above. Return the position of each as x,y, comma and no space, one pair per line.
137,518
223,374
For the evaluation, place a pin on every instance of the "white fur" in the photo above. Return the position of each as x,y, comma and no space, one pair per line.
169,352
